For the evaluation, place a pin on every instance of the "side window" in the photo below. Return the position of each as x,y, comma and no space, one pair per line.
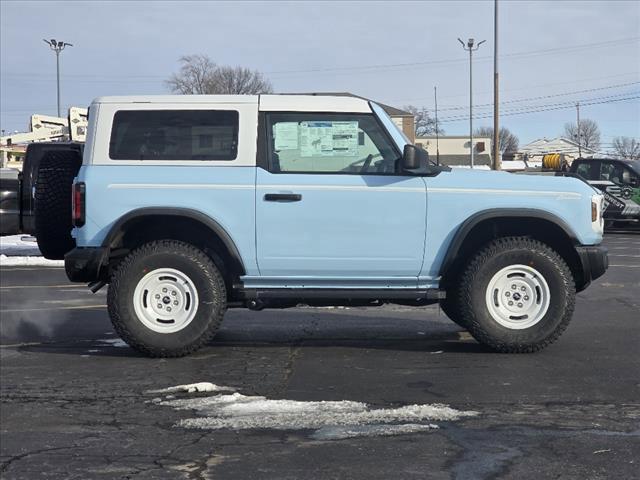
612,171
584,170
328,143
174,135
630,178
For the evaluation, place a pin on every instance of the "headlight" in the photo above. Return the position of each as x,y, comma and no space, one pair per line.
597,207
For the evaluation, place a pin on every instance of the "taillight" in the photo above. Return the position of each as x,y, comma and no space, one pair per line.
78,204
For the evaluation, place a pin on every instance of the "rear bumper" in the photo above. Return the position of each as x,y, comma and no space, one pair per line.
86,264
595,261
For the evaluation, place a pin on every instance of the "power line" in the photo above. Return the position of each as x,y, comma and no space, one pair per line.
541,109
540,85
542,97
571,102
450,61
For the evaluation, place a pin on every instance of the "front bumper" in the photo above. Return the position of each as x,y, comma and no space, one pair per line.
594,261
86,264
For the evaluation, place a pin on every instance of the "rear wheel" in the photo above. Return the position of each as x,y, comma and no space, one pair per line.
52,207
517,295
167,299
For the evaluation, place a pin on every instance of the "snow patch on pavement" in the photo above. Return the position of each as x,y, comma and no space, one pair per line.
6,261
330,419
114,342
195,387
19,245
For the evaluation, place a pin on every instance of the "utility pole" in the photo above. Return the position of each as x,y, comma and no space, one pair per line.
57,47
435,96
497,161
578,126
470,48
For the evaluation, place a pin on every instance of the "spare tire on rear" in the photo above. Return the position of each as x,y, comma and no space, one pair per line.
52,206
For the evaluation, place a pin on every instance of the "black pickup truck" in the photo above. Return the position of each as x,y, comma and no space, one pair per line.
17,188
619,182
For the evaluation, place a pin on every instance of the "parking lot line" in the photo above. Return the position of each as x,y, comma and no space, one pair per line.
632,256
627,266
76,307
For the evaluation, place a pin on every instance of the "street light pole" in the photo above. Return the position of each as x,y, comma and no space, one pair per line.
57,47
497,161
470,48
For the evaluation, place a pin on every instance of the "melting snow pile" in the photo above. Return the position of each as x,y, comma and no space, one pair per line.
195,387
20,250
6,261
19,245
330,419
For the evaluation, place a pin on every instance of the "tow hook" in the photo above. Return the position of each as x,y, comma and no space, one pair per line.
97,285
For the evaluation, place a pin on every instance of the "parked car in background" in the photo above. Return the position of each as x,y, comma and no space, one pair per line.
619,181
9,201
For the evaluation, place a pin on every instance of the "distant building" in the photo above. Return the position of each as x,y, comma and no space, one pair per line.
12,156
535,150
454,150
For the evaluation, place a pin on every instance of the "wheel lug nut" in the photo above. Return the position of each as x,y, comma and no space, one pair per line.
513,287
164,290
157,295
526,297
508,294
173,292
522,288
175,302
510,303
160,306
168,309
519,305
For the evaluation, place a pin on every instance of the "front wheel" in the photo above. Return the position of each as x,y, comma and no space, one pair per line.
166,299
517,295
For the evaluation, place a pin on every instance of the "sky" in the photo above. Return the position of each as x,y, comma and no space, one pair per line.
552,54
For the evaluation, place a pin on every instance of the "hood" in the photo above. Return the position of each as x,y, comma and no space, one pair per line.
493,180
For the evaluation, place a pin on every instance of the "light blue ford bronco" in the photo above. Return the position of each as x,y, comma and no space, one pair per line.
188,205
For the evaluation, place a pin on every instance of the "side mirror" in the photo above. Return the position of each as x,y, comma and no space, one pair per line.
626,177
414,158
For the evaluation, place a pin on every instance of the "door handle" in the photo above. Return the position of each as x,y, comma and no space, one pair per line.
282,197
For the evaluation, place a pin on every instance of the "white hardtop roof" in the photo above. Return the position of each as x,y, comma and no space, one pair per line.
186,99
279,103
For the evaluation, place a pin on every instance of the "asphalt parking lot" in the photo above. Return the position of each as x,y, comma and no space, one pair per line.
76,403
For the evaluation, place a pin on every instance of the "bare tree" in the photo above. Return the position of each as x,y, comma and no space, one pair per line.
200,75
507,143
626,147
240,80
424,123
194,77
589,133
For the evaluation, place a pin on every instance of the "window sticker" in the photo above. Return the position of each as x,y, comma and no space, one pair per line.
327,139
285,136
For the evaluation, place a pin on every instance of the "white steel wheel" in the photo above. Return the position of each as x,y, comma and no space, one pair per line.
165,300
518,297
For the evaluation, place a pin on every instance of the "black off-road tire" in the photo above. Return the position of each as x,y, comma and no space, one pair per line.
498,254
52,207
187,259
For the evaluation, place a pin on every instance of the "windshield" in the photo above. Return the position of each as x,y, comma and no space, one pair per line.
398,135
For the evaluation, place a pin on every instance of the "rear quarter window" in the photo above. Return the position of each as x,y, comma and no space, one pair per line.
174,135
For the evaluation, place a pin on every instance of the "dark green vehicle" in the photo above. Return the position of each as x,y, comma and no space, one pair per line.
619,181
